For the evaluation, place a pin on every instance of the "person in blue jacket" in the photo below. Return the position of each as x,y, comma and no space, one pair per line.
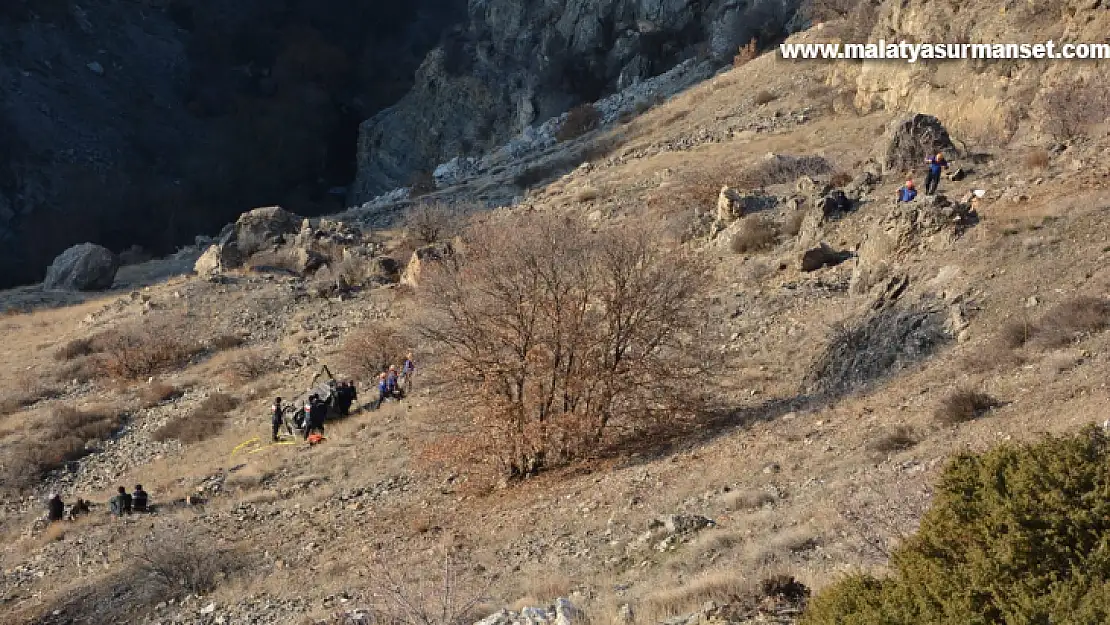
935,163
907,193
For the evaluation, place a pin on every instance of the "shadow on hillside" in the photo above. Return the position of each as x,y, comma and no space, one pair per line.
667,438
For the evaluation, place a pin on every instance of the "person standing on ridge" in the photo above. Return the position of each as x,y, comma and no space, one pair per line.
935,163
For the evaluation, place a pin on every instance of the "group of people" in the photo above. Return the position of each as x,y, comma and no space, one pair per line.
126,503
936,164
119,505
393,384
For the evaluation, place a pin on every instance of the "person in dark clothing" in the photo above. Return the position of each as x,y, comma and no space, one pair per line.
55,508
352,393
343,399
317,412
139,499
383,390
121,503
79,508
277,418
935,163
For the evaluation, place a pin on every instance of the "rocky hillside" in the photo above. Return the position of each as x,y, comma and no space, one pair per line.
515,64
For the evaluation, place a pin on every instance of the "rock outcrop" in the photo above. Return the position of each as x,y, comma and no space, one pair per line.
84,267
822,256
436,252
931,224
518,63
908,142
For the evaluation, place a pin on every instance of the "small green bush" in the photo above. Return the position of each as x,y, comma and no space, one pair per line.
1020,534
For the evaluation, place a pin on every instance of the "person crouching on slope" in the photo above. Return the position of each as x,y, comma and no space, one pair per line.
907,193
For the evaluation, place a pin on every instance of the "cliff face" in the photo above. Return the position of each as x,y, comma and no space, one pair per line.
518,62
149,123
984,103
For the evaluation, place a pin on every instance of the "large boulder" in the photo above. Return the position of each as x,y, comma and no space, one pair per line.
84,267
219,257
436,252
261,228
909,141
732,205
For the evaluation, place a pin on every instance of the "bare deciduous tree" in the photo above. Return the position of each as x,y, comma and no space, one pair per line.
447,600
553,332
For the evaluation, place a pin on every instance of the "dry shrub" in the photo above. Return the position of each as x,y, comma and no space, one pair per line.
995,354
28,394
371,348
781,169
1069,108
747,499
547,588
1072,320
580,120
158,392
185,560
722,587
840,179
757,234
587,194
226,340
1062,325
85,346
249,365
764,97
406,595
144,350
1017,332
62,437
792,224
519,319
206,421
80,370
1037,159
746,54
431,222
964,405
898,439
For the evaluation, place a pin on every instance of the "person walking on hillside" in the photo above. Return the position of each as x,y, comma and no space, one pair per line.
936,164
277,418
407,369
383,390
391,380
907,193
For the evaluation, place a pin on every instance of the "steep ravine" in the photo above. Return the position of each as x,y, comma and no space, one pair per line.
124,123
